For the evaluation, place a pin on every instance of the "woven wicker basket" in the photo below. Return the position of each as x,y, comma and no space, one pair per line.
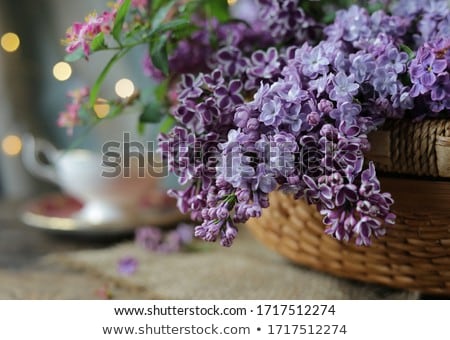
415,253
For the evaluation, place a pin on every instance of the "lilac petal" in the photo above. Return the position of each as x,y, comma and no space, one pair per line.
188,80
232,69
258,57
127,266
428,79
237,99
272,54
417,71
326,192
224,102
438,93
235,86
225,55
309,182
221,91
439,65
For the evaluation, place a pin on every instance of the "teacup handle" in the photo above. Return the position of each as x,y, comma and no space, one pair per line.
31,149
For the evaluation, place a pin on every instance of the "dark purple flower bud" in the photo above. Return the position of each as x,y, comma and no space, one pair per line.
325,106
228,235
253,124
243,195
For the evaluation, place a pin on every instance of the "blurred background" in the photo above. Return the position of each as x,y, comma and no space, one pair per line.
34,81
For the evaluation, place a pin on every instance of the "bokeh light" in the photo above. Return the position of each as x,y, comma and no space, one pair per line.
101,108
62,71
12,145
10,42
232,2
124,88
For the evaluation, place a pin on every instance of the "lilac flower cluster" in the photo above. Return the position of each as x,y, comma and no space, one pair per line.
430,18
296,118
430,75
196,53
153,239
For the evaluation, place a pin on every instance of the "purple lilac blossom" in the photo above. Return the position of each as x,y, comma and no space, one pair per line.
127,265
153,239
297,118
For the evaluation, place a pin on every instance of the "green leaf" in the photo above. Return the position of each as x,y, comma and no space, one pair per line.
161,14
120,18
158,53
74,56
167,124
160,90
218,9
141,128
191,6
156,4
174,25
152,113
184,33
101,78
408,50
98,42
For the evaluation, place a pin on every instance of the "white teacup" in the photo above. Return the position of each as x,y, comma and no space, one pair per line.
80,174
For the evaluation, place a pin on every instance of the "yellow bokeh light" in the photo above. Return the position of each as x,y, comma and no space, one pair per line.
10,42
232,2
12,145
101,108
124,88
62,71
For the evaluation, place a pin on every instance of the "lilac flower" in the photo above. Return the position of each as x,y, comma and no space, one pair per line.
208,111
127,265
305,130
148,237
213,79
315,62
231,60
343,88
153,239
362,67
346,111
265,64
229,95
235,168
229,233
190,87
394,60
349,25
424,70
271,113
441,88
385,81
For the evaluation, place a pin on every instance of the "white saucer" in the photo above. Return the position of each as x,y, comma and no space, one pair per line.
57,212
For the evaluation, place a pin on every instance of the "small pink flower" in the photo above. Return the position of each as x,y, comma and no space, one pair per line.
81,34
69,118
78,95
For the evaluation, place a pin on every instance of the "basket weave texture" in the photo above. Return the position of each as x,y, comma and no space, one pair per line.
415,253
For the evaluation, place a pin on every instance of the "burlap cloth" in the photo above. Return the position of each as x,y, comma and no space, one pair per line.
246,271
